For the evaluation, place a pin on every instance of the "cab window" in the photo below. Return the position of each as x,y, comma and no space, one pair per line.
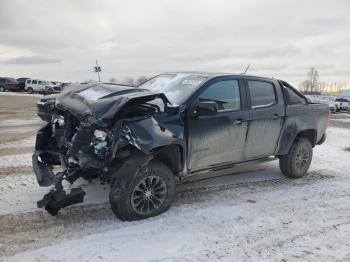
262,94
224,93
293,98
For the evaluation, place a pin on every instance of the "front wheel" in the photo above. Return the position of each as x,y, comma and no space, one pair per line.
298,160
30,90
147,193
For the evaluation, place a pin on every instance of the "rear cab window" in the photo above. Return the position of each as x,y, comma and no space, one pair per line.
292,97
262,94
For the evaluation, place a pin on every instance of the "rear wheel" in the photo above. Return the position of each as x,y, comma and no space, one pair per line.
298,160
148,192
30,90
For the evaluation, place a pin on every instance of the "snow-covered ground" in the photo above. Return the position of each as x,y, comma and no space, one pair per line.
19,94
254,215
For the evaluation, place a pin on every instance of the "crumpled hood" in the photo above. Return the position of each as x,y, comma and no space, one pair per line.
99,103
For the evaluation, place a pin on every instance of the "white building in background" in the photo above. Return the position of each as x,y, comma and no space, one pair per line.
345,93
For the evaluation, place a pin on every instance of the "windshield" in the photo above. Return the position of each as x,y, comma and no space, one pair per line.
176,87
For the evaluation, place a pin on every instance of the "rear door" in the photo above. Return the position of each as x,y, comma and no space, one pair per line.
215,140
34,85
41,85
266,118
27,84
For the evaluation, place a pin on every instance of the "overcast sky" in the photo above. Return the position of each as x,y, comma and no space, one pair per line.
60,40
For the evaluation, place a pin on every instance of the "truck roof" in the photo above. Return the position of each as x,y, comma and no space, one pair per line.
218,74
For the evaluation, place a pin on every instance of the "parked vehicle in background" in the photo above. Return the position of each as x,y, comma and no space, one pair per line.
173,128
331,105
22,83
41,86
52,88
8,84
343,103
34,85
340,103
45,107
324,100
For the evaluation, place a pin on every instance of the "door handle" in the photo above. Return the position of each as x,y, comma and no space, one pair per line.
276,116
239,121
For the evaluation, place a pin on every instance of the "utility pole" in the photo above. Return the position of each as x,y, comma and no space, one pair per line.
98,69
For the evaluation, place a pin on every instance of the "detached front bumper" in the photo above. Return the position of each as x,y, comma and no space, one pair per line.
42,160
44,172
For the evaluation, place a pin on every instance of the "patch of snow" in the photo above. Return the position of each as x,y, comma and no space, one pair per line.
19,94
16,160
345,120
19,129
21,122
20,143
134,242
20,192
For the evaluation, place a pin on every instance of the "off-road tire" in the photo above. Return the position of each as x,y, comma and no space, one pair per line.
289,163
30,90
124,185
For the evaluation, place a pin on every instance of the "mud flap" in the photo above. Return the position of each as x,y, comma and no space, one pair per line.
55,200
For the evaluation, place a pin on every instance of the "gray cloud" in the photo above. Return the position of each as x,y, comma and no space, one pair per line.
278,38
31,60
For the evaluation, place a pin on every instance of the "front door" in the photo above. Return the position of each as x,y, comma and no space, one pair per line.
218,139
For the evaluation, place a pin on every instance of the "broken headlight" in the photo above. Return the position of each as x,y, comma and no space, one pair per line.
100,135
58,119
57,123
99,144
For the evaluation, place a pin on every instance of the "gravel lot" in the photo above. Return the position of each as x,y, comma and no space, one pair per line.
255,214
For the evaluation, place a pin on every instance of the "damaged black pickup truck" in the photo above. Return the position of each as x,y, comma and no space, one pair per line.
176,126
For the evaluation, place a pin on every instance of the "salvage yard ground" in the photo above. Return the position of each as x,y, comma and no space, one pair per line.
255,214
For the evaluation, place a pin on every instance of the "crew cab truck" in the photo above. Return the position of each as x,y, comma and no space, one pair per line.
172,128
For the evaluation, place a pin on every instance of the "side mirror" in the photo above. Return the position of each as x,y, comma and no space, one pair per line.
205,108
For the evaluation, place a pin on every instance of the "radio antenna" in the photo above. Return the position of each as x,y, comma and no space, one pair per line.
246,69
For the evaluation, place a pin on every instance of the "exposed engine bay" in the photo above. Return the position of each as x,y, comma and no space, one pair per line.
93,127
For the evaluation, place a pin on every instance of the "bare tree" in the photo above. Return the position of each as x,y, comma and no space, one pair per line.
114,81
304,86
311,85
129,81
313,79
140,80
